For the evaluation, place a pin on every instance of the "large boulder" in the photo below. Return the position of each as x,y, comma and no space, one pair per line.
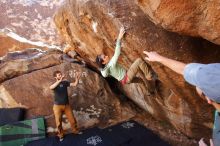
195,18
92,100
91,28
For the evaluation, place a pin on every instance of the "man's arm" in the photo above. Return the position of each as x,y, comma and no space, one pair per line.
54,85
117,53
76,80
176,66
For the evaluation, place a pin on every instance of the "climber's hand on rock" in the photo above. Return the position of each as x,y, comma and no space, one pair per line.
152,56
66,50
121,33
211,142
202,143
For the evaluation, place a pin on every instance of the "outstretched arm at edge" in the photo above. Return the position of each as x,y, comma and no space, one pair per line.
176,66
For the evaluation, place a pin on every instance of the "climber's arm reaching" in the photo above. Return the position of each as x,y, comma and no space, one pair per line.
114,59
202,143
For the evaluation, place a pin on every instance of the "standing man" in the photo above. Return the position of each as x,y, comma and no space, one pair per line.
206,79
61,102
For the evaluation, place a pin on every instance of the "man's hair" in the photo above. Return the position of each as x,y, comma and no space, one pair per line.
99,61
56,72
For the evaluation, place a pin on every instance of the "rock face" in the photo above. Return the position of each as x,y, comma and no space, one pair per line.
91,27
195,18
28,24
18,63
10,45
30,19
92,100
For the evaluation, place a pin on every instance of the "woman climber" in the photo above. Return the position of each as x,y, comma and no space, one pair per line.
110,67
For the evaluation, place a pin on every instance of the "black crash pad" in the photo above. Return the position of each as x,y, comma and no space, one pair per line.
125,134
10,115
